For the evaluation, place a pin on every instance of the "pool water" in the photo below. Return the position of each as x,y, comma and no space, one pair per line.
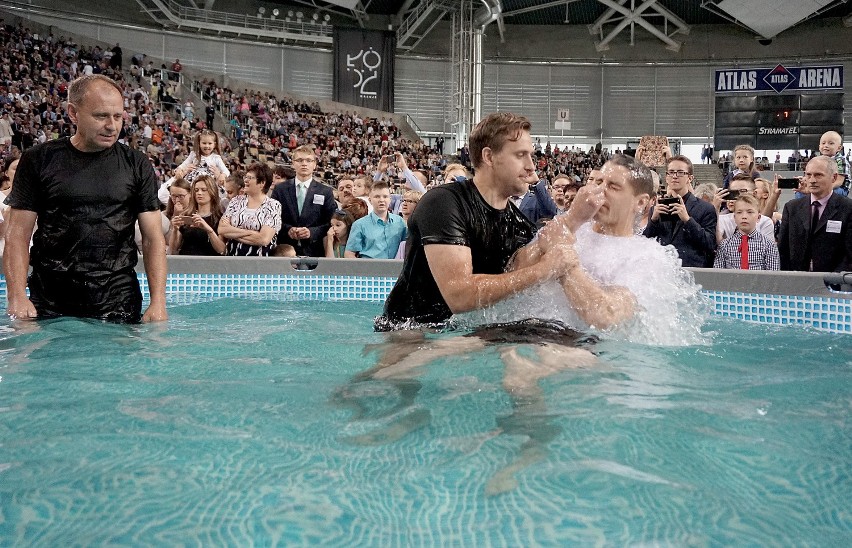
246,422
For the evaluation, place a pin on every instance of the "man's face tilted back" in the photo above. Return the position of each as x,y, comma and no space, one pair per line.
99,117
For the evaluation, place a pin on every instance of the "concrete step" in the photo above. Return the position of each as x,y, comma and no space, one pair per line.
707,173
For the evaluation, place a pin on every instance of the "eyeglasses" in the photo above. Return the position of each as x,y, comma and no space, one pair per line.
678,173
304,160
409,201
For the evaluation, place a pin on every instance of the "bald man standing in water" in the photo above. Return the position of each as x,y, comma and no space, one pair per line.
87,192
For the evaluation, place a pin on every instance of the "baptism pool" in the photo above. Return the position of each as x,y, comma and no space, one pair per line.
246,420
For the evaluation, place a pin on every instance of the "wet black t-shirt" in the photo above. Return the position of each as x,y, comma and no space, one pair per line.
87,205
454,214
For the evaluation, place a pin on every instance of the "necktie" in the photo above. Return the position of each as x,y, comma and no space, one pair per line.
815,217
300,196
814,223
744,252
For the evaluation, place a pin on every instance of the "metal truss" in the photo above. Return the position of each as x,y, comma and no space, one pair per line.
646,15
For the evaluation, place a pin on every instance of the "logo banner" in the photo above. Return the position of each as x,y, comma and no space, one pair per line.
779,79
364,68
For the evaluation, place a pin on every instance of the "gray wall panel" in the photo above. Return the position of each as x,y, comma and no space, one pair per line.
257,64
628,97
306,72
423,90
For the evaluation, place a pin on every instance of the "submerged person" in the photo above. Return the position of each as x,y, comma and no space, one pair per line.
624,285
86,192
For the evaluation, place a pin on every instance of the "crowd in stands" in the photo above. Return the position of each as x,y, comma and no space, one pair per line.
218,199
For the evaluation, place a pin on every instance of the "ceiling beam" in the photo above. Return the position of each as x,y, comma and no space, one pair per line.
631,17
529,9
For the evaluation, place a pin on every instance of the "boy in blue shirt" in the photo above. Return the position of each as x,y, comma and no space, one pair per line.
378,235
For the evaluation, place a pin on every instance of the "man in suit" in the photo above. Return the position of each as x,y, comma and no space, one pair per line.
816,230
537,205
689,223
306,206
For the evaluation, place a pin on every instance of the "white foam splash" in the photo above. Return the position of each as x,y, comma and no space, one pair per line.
671,311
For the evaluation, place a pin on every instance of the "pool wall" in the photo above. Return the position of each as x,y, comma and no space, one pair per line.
799,298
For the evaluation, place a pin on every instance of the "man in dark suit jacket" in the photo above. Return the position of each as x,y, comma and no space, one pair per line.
689,224
537,205
828,247
304,228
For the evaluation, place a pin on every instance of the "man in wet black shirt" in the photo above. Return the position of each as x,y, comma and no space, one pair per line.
463,234
87,192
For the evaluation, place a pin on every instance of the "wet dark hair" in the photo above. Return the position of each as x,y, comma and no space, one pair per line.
493,132
639,175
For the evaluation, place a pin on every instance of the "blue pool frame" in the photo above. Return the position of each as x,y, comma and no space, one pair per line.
781,298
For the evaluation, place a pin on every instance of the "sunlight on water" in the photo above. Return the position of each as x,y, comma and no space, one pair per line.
248,421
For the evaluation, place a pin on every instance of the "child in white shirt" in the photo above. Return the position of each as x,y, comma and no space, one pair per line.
205,159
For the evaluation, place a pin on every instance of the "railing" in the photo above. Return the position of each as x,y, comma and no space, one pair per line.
251,22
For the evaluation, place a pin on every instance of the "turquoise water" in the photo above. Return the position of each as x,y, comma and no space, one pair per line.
245,422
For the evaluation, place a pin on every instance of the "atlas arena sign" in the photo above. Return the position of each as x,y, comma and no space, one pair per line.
780,79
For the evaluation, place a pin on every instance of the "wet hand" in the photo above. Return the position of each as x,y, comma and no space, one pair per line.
586,204
21,309
555,232
561,259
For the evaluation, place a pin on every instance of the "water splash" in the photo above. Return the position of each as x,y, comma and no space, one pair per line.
671,310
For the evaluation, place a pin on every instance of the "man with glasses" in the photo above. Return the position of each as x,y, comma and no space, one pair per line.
306,207
682,220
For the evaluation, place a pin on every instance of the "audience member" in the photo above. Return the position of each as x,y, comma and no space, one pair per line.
767,195
741,185
816,230
344,191
338,233
682,220
234,185
306,207
743,163
747,247
378,235
831,145
252,220
204,159
195,231
537,205
409,203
